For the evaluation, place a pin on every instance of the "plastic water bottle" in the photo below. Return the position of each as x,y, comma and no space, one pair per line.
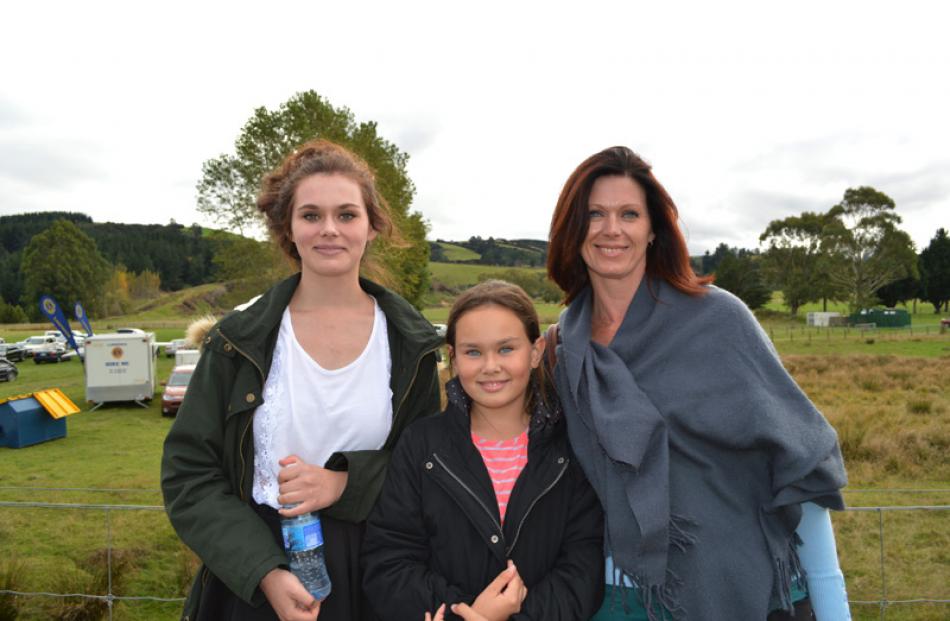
303,541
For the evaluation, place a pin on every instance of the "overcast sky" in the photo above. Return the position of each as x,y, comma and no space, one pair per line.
748,111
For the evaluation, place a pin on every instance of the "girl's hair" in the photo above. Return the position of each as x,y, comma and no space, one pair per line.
667,257
513,298
318,157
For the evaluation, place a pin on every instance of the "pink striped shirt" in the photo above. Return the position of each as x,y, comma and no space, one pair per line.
504,459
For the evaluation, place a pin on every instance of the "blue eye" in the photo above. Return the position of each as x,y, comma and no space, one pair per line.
594,214
310,217
631,215
507,349
347,216
472,353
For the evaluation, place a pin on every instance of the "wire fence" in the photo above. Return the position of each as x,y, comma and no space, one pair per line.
860,331
109,598
883,603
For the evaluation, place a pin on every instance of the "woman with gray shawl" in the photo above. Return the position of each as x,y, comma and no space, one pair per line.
715,471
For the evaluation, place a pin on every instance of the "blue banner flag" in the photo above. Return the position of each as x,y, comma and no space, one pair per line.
81,317
51,309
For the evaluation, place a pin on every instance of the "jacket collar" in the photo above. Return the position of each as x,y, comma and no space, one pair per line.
544,418
254,329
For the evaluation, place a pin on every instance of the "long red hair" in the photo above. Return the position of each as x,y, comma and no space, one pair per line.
667,257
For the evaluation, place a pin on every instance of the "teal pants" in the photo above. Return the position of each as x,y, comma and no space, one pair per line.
615,597
613,607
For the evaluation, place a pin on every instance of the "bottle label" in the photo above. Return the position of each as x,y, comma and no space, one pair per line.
302,537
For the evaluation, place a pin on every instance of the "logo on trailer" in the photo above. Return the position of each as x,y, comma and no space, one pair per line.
116,352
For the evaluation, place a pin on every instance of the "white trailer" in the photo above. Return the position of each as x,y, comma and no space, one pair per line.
120,367
821,320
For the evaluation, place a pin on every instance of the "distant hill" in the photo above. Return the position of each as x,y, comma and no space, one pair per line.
491,251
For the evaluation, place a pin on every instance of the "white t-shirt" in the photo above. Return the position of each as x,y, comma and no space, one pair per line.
313,412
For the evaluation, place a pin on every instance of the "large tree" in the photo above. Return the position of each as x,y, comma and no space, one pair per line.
231,182
935,270
62,261
867,248
794,261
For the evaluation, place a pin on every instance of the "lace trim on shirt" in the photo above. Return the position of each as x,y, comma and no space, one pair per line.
267,418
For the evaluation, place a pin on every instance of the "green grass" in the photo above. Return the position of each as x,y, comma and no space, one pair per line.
117,446
889,401
891,414
454,252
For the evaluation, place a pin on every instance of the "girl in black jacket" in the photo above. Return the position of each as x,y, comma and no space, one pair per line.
467,514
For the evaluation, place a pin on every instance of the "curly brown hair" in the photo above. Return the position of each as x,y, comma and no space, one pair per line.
318,157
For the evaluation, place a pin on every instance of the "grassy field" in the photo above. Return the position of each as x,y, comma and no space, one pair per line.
454,252
886,392
777,304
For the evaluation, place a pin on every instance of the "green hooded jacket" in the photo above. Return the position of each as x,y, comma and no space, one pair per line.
208,458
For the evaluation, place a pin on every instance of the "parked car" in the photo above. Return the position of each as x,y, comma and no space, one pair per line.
52,353
33,343
8,370
56,334
174,346
175,389
11,351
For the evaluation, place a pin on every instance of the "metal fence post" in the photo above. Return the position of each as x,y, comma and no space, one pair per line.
108,513
880,533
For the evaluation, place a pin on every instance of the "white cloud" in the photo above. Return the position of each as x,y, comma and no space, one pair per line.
746,109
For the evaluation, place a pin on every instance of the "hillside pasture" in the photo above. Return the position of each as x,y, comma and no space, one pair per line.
454,252
461,275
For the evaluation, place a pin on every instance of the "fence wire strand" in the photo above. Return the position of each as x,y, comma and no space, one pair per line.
883,603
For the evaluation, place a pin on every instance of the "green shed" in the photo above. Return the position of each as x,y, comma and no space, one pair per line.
882,317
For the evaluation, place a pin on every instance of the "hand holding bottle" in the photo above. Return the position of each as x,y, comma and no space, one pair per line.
288,597
309,487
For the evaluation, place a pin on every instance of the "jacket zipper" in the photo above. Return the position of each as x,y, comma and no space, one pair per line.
469,490
547,489
249,422
415,374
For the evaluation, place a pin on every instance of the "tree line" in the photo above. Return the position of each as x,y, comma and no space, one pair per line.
106,266
854,252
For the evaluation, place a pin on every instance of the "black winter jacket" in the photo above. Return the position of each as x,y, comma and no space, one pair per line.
434,535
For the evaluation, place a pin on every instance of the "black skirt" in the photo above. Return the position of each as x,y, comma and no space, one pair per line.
342,543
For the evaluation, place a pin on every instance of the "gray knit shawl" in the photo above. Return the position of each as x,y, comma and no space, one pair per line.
701,448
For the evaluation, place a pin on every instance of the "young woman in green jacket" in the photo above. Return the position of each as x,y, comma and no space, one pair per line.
297,401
